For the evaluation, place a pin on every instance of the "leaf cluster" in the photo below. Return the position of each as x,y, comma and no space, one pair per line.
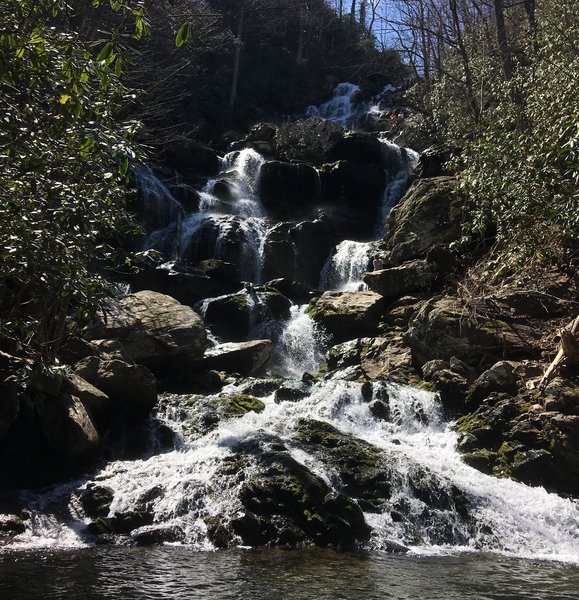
63,169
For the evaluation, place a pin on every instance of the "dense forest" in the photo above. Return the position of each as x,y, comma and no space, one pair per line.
89,89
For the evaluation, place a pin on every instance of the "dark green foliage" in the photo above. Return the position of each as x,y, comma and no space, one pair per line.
63,164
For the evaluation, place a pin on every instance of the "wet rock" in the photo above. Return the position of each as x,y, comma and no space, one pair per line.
411,276
347,315
279,253
361,466
156,331
230,317
153,536
295,291
357,146
288,189
200,414
283,487
312,241
10,525
120,523
349,183
443,328
96,500
518,439
245,358
292,391
428,215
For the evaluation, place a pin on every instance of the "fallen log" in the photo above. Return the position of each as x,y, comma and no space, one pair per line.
567,355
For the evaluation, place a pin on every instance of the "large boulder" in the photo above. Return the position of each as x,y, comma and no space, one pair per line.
281,486
125,388
155,330
517,437
307,140
245,358
288,189
348,315
67,426
444,328
412,276
428,215
312,241
357,146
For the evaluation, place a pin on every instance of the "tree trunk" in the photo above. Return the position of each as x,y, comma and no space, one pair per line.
506,59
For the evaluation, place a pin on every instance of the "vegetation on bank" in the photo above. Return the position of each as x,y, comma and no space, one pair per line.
504,90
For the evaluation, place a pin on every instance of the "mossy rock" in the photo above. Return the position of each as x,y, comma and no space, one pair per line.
239,404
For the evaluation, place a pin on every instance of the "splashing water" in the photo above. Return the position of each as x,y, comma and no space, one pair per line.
185,487
345,268
299,347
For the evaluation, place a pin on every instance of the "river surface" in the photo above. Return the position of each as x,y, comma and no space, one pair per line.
179,572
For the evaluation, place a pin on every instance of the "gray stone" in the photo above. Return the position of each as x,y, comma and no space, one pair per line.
155,330
412,276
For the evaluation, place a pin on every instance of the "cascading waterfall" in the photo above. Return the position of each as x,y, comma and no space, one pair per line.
344,110
186,487
345,268
230,224
299,347
435,503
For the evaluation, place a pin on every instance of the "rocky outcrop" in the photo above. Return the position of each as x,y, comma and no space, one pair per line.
283,487
67,426
307,140
412,276
346,315
429,215
528,437
444,328
288,189
125,388
155,330
245,358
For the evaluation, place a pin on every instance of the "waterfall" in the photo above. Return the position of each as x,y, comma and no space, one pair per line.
160,208
344,110
230,224
340,109
185,487
299,347
346,266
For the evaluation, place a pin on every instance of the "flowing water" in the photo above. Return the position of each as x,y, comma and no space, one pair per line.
468,535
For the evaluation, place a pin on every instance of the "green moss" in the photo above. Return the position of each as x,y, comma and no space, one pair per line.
420,383
241,403
469,423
